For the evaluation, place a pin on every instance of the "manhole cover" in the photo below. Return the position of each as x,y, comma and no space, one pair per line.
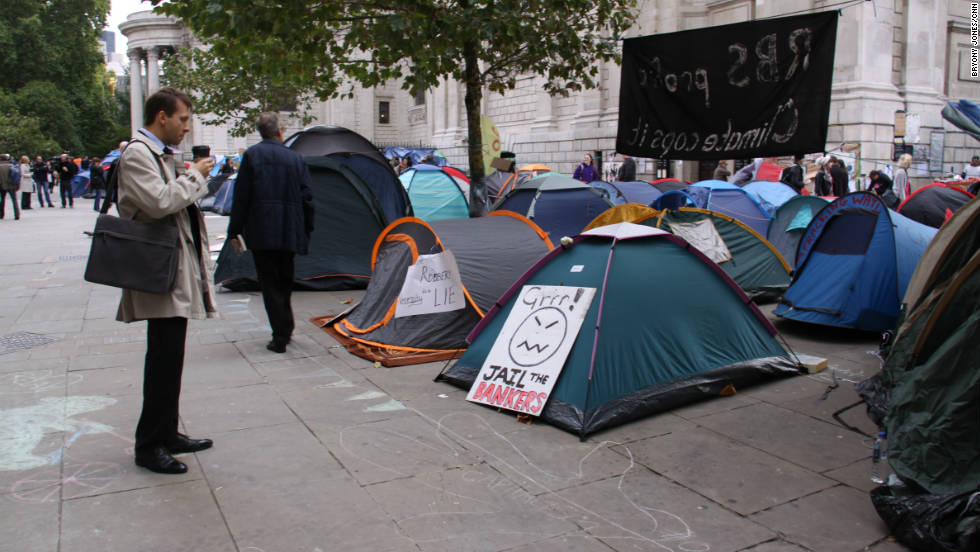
72,257
23,340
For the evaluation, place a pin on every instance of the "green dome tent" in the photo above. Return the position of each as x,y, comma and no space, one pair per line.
928,394
645,346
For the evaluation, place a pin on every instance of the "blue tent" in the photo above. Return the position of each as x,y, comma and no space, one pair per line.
770,195
559,204
719,196
853,264
415,154
435,194
636,191
221,202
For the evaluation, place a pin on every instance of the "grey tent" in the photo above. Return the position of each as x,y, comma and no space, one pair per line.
491,253
356,195
788,223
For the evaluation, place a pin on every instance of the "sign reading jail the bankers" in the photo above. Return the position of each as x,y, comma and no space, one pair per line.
754,89
530,351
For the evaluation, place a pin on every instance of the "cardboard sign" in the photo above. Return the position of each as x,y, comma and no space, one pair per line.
705,237
431,285
530,351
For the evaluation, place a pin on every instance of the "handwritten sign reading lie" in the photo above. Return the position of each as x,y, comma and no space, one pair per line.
431,285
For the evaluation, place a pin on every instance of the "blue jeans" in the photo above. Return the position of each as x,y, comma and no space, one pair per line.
42,192
99,193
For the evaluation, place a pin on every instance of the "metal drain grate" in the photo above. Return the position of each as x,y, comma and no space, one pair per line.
14,342
72,257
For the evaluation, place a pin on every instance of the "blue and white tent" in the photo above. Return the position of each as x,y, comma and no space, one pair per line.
770,195
435,194
853,265
719,196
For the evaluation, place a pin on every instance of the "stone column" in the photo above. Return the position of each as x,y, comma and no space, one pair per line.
152,70
925,27
135,92
545,111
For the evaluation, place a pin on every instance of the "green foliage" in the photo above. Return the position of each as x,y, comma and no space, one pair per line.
234,90
324,48
20,135
55,76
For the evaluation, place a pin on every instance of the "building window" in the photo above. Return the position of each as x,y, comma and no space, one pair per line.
420,98
384,113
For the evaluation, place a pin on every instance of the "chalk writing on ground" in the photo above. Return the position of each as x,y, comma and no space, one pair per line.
532,492
24,428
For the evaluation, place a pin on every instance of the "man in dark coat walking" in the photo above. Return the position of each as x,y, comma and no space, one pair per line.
272,210
627,171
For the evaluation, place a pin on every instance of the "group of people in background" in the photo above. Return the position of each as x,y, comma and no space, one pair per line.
586,171
24,178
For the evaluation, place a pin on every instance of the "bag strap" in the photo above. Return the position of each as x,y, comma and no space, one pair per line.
112,185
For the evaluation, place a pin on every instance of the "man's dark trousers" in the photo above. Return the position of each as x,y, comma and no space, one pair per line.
165,339
275,270
66,197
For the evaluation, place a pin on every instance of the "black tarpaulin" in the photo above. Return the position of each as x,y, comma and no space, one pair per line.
754,89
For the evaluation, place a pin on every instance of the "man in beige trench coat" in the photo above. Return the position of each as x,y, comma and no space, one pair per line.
151,189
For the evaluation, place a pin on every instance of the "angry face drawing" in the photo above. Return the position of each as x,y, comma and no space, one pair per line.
538,337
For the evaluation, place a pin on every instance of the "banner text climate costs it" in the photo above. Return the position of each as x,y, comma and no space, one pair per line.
754,89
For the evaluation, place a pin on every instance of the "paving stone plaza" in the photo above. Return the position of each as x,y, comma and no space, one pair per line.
318,450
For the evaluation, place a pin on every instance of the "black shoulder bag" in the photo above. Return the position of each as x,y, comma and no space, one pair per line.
130,254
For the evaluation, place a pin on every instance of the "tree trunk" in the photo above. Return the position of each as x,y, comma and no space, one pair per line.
474,94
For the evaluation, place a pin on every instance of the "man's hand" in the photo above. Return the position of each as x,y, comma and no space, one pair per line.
203,165
238,245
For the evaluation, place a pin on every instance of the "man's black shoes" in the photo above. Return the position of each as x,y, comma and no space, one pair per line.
276,346
184,444
158,459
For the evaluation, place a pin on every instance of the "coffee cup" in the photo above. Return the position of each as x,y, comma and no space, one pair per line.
200,152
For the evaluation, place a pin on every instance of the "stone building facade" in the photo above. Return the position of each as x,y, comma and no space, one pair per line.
891,55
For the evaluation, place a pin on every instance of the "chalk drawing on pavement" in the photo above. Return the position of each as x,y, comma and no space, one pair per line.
24,428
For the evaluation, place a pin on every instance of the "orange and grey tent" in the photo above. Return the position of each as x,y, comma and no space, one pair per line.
491,252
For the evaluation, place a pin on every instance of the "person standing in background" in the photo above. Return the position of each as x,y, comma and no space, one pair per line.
792,175
721,171
972,169
627,171
8,186
97,181
586,171
66,171
838,177
901,185
41,173
26,182
273,209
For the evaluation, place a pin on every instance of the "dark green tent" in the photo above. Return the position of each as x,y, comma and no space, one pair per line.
355,198
927,395
754,264
666,327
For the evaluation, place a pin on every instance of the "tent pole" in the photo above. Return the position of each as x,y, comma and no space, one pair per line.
595,339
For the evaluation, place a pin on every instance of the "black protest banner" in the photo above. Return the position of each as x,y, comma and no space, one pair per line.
754,89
